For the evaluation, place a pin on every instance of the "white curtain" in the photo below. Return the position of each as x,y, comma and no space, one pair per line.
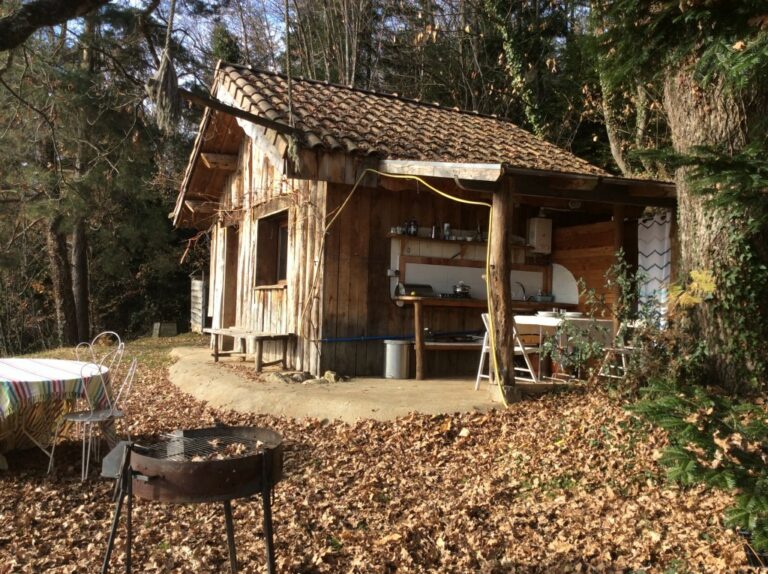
654,260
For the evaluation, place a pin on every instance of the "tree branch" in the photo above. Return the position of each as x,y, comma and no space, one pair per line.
24,21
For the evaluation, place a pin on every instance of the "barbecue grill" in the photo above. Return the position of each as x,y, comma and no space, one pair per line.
215,464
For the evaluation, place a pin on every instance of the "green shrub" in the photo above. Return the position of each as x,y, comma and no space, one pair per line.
715,440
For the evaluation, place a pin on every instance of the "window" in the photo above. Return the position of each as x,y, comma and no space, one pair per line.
272,250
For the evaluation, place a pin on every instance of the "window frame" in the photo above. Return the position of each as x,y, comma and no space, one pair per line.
272,251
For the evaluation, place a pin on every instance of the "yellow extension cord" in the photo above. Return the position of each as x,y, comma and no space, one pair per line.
491,326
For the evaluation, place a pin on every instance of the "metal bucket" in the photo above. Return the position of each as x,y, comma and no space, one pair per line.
396,358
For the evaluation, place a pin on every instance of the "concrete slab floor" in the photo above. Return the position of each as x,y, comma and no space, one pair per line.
383,399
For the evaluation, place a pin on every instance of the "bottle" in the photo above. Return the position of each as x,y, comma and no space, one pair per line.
413,227
434,232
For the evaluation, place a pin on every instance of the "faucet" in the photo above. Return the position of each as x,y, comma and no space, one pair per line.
522,288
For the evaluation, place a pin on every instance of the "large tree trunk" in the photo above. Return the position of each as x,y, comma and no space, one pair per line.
66,320
718,239
80,280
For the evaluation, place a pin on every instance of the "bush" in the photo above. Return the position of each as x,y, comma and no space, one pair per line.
715,440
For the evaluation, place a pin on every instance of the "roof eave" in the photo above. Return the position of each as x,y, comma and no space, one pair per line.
592,188
196,148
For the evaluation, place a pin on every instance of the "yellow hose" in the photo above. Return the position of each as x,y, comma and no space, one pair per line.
491,326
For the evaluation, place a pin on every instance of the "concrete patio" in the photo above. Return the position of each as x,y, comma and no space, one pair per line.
195,372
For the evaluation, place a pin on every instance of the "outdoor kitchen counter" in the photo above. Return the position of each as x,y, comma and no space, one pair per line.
418,317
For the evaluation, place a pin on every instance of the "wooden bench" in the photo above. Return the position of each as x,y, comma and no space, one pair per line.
242,336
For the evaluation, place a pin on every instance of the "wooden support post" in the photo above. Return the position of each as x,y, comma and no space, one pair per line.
419,335
258,358
216,348
242,347
501,287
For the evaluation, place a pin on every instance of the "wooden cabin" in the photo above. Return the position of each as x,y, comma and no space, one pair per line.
306,241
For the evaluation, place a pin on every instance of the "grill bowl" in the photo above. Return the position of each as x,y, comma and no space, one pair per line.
163,473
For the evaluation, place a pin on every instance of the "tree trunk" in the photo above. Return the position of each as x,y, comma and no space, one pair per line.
64,301
733,325
612,127
501,289
80,280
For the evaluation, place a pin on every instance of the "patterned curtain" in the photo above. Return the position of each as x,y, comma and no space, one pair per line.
654,262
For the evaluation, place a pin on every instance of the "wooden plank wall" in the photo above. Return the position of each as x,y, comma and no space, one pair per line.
256,190
218,258
588,252
357,301
198,305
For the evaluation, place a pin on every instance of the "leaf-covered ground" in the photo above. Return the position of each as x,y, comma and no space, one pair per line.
564,483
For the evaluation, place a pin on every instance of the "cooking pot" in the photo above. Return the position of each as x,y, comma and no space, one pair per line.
461,288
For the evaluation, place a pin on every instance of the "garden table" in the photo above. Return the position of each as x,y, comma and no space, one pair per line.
549,325
36,393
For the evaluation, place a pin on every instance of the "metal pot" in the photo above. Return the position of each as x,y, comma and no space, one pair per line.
461,288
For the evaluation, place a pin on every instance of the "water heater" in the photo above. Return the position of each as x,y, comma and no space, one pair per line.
540,235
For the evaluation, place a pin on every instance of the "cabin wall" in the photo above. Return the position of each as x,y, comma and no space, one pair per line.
357,294
588,252
257,190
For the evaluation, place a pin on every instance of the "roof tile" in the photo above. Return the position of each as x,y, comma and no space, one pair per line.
367,123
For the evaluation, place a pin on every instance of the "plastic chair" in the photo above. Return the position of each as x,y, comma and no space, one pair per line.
96,415
521,350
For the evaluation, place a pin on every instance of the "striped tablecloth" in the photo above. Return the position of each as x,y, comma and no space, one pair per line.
35,393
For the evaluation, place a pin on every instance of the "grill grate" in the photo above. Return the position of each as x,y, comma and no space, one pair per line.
201,448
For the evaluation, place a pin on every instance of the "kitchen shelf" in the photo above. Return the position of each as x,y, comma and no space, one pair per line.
451,241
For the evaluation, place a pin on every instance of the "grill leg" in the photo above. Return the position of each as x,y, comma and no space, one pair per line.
128,521
230,536
113,532
266,494
124,479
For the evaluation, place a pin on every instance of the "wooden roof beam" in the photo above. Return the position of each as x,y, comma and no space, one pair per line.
220,161
594,189
203,207
463,171
208,102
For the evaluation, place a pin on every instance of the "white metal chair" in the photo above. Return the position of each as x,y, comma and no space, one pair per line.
96,415
521,350
616,357
102,345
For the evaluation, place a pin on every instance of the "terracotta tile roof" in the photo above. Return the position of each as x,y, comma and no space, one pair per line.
361,122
